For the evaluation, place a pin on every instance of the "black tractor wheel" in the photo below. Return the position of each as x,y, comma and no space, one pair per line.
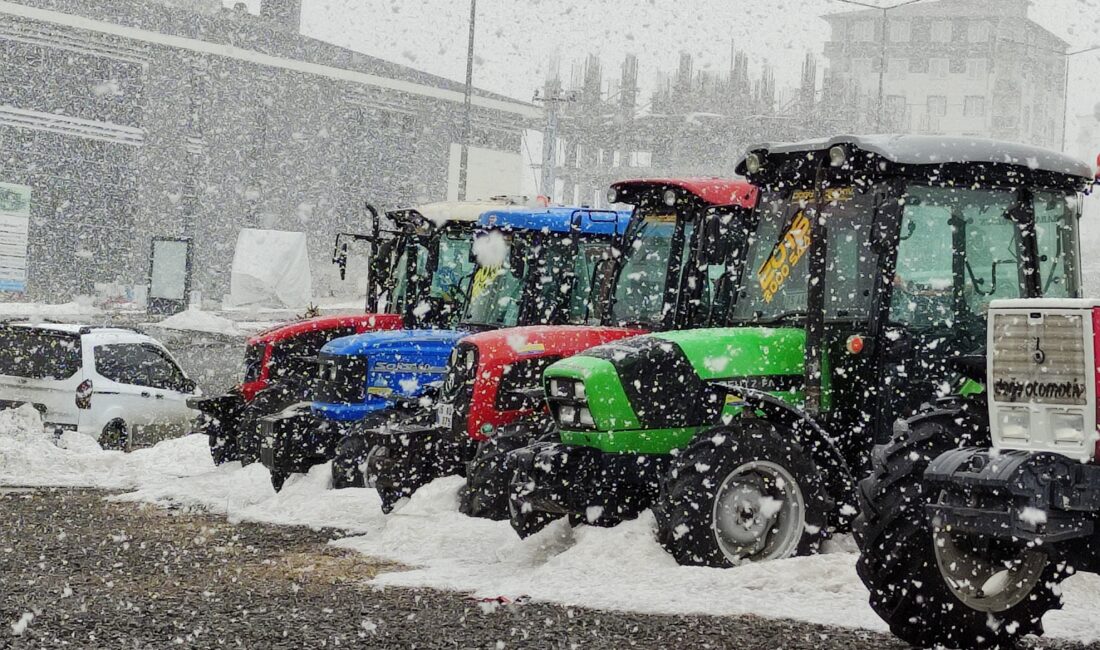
488,478
223,449
116,436
353,455
743,493
278,479
988,593
525,519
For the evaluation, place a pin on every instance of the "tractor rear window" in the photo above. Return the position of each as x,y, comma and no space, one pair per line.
38,354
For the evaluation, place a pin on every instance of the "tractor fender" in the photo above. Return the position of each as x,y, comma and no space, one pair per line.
811,436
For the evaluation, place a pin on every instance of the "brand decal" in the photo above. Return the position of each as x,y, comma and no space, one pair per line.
412,367
1012,390
380,391
660,218
531,348
785,256
482,278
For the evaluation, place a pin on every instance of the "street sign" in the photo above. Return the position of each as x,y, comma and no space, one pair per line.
15,216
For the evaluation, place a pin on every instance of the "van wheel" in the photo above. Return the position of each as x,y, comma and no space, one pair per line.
115,436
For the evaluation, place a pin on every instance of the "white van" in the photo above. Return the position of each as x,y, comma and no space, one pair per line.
116,385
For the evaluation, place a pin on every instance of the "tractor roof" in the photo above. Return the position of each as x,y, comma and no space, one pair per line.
715,191
938,150
557,219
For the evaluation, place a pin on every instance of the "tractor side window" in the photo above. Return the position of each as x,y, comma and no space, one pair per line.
588,290
1056,230
958,251
640,293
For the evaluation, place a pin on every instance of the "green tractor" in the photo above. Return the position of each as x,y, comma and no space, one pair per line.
868,276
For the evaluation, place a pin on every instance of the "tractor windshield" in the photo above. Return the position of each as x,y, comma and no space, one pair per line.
496,288
656,244
452,268
960,249
776,278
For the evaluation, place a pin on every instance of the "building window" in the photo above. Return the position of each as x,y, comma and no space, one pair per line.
899,31
918,65
941,31
863,31
897,68
974,106
939,68
977,69
937,105
978,32
895,109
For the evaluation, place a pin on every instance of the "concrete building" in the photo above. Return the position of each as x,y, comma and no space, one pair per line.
952,67
130,120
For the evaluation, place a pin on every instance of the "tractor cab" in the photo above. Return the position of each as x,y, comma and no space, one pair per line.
915,237
365,381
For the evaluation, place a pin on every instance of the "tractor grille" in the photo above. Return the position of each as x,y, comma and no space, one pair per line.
341,379
1039,358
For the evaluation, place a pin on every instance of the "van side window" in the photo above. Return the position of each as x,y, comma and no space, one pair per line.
36,354
138,364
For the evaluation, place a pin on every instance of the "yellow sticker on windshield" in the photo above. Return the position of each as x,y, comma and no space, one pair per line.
482,278
660,218
785,256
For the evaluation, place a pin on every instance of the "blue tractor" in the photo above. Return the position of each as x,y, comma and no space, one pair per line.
526,267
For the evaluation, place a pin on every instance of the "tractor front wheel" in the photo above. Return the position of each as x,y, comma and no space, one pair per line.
934,587
353,456
742,493
488,477
526,520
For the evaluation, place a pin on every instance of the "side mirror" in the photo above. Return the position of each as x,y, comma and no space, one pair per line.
188,385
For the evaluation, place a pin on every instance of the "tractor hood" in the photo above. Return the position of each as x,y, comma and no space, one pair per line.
499,347
398,364
646,394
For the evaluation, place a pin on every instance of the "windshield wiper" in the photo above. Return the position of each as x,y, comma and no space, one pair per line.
794,314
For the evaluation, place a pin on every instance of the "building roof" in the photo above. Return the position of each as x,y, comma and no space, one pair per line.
250,38
940,150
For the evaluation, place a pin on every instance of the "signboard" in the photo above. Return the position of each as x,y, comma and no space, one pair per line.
15,216
169,275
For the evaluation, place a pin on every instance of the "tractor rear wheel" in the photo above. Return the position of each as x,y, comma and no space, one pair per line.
934,588
742,493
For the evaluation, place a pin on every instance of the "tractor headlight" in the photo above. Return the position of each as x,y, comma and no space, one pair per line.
838,155
584,416
1068,428
578,392
559,388
753,163
567,414
1014,424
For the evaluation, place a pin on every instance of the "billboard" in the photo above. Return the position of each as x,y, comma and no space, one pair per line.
15,216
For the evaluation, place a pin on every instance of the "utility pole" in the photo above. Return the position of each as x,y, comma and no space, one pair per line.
882,51
464,160
552,99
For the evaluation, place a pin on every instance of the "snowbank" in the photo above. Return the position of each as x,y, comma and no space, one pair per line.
194,320
621,568
30,456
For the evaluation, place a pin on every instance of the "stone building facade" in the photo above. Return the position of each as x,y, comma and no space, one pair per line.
142,119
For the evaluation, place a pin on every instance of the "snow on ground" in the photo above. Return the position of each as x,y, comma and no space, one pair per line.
622,568
41,310
194,320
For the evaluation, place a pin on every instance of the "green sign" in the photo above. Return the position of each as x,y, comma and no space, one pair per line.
15,213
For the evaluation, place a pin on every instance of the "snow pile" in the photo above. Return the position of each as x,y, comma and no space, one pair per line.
31,456
195,320
621,568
